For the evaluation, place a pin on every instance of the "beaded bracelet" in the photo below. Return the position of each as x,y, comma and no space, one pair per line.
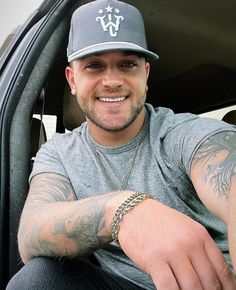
127,205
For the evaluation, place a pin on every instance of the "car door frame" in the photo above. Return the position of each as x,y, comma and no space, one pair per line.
25,60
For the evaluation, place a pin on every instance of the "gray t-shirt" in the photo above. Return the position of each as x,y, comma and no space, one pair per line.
161,168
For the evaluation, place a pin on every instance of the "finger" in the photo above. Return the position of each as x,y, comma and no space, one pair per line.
205,271
163,277
222,269
185,273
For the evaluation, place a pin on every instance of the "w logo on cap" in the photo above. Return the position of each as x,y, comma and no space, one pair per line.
113,26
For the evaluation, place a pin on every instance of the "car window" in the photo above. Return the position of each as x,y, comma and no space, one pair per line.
12,15
50,122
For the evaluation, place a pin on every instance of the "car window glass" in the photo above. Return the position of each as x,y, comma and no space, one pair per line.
50,122
14,13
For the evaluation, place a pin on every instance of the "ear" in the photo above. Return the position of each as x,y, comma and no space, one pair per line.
147,69
70,79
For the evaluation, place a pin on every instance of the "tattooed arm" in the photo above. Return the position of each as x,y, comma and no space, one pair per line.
214,176
54,223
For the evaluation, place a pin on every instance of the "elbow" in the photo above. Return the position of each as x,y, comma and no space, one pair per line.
25,257
24,245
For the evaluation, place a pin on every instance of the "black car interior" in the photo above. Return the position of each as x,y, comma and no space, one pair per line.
196,42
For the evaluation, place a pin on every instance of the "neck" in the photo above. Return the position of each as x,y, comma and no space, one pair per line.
113,139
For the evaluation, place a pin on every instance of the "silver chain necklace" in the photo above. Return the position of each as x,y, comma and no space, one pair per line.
130,163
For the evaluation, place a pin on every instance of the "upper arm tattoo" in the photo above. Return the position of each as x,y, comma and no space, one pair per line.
218,153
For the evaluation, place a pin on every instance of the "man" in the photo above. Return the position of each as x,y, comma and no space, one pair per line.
148,192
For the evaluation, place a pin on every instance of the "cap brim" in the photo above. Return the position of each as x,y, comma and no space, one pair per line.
111,46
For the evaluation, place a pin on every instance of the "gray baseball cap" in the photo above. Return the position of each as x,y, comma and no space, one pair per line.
107,25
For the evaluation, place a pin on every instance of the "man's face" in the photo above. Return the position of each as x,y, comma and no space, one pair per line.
110,88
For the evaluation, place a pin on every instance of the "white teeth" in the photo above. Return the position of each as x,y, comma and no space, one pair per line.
111,100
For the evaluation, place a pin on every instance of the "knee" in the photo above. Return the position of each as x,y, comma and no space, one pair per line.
48,273
33,274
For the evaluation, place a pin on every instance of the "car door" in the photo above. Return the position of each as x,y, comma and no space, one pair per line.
24,70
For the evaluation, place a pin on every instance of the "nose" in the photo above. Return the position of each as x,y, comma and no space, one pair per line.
112,78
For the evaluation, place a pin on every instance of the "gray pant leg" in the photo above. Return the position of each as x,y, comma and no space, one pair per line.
49,274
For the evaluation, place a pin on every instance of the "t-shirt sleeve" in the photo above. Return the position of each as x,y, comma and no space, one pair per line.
181,143
48,160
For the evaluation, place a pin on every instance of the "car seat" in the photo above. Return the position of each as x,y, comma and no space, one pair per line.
73,116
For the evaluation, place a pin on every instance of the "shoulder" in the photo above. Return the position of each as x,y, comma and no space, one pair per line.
164,120
178,136
61,139
167,121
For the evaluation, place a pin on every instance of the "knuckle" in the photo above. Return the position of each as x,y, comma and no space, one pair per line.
202,231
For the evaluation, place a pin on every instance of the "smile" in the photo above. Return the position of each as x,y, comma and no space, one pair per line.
112,100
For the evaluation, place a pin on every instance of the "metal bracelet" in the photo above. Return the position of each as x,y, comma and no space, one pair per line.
127,205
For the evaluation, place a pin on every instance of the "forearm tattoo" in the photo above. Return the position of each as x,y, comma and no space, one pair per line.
63,226
219,152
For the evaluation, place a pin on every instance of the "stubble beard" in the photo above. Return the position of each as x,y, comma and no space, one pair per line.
99,122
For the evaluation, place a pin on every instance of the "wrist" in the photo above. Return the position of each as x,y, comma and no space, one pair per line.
115,201
125,207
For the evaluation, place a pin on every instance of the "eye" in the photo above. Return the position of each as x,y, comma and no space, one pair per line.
94,66
129,64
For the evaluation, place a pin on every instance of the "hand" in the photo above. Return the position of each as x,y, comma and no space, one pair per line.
177,252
